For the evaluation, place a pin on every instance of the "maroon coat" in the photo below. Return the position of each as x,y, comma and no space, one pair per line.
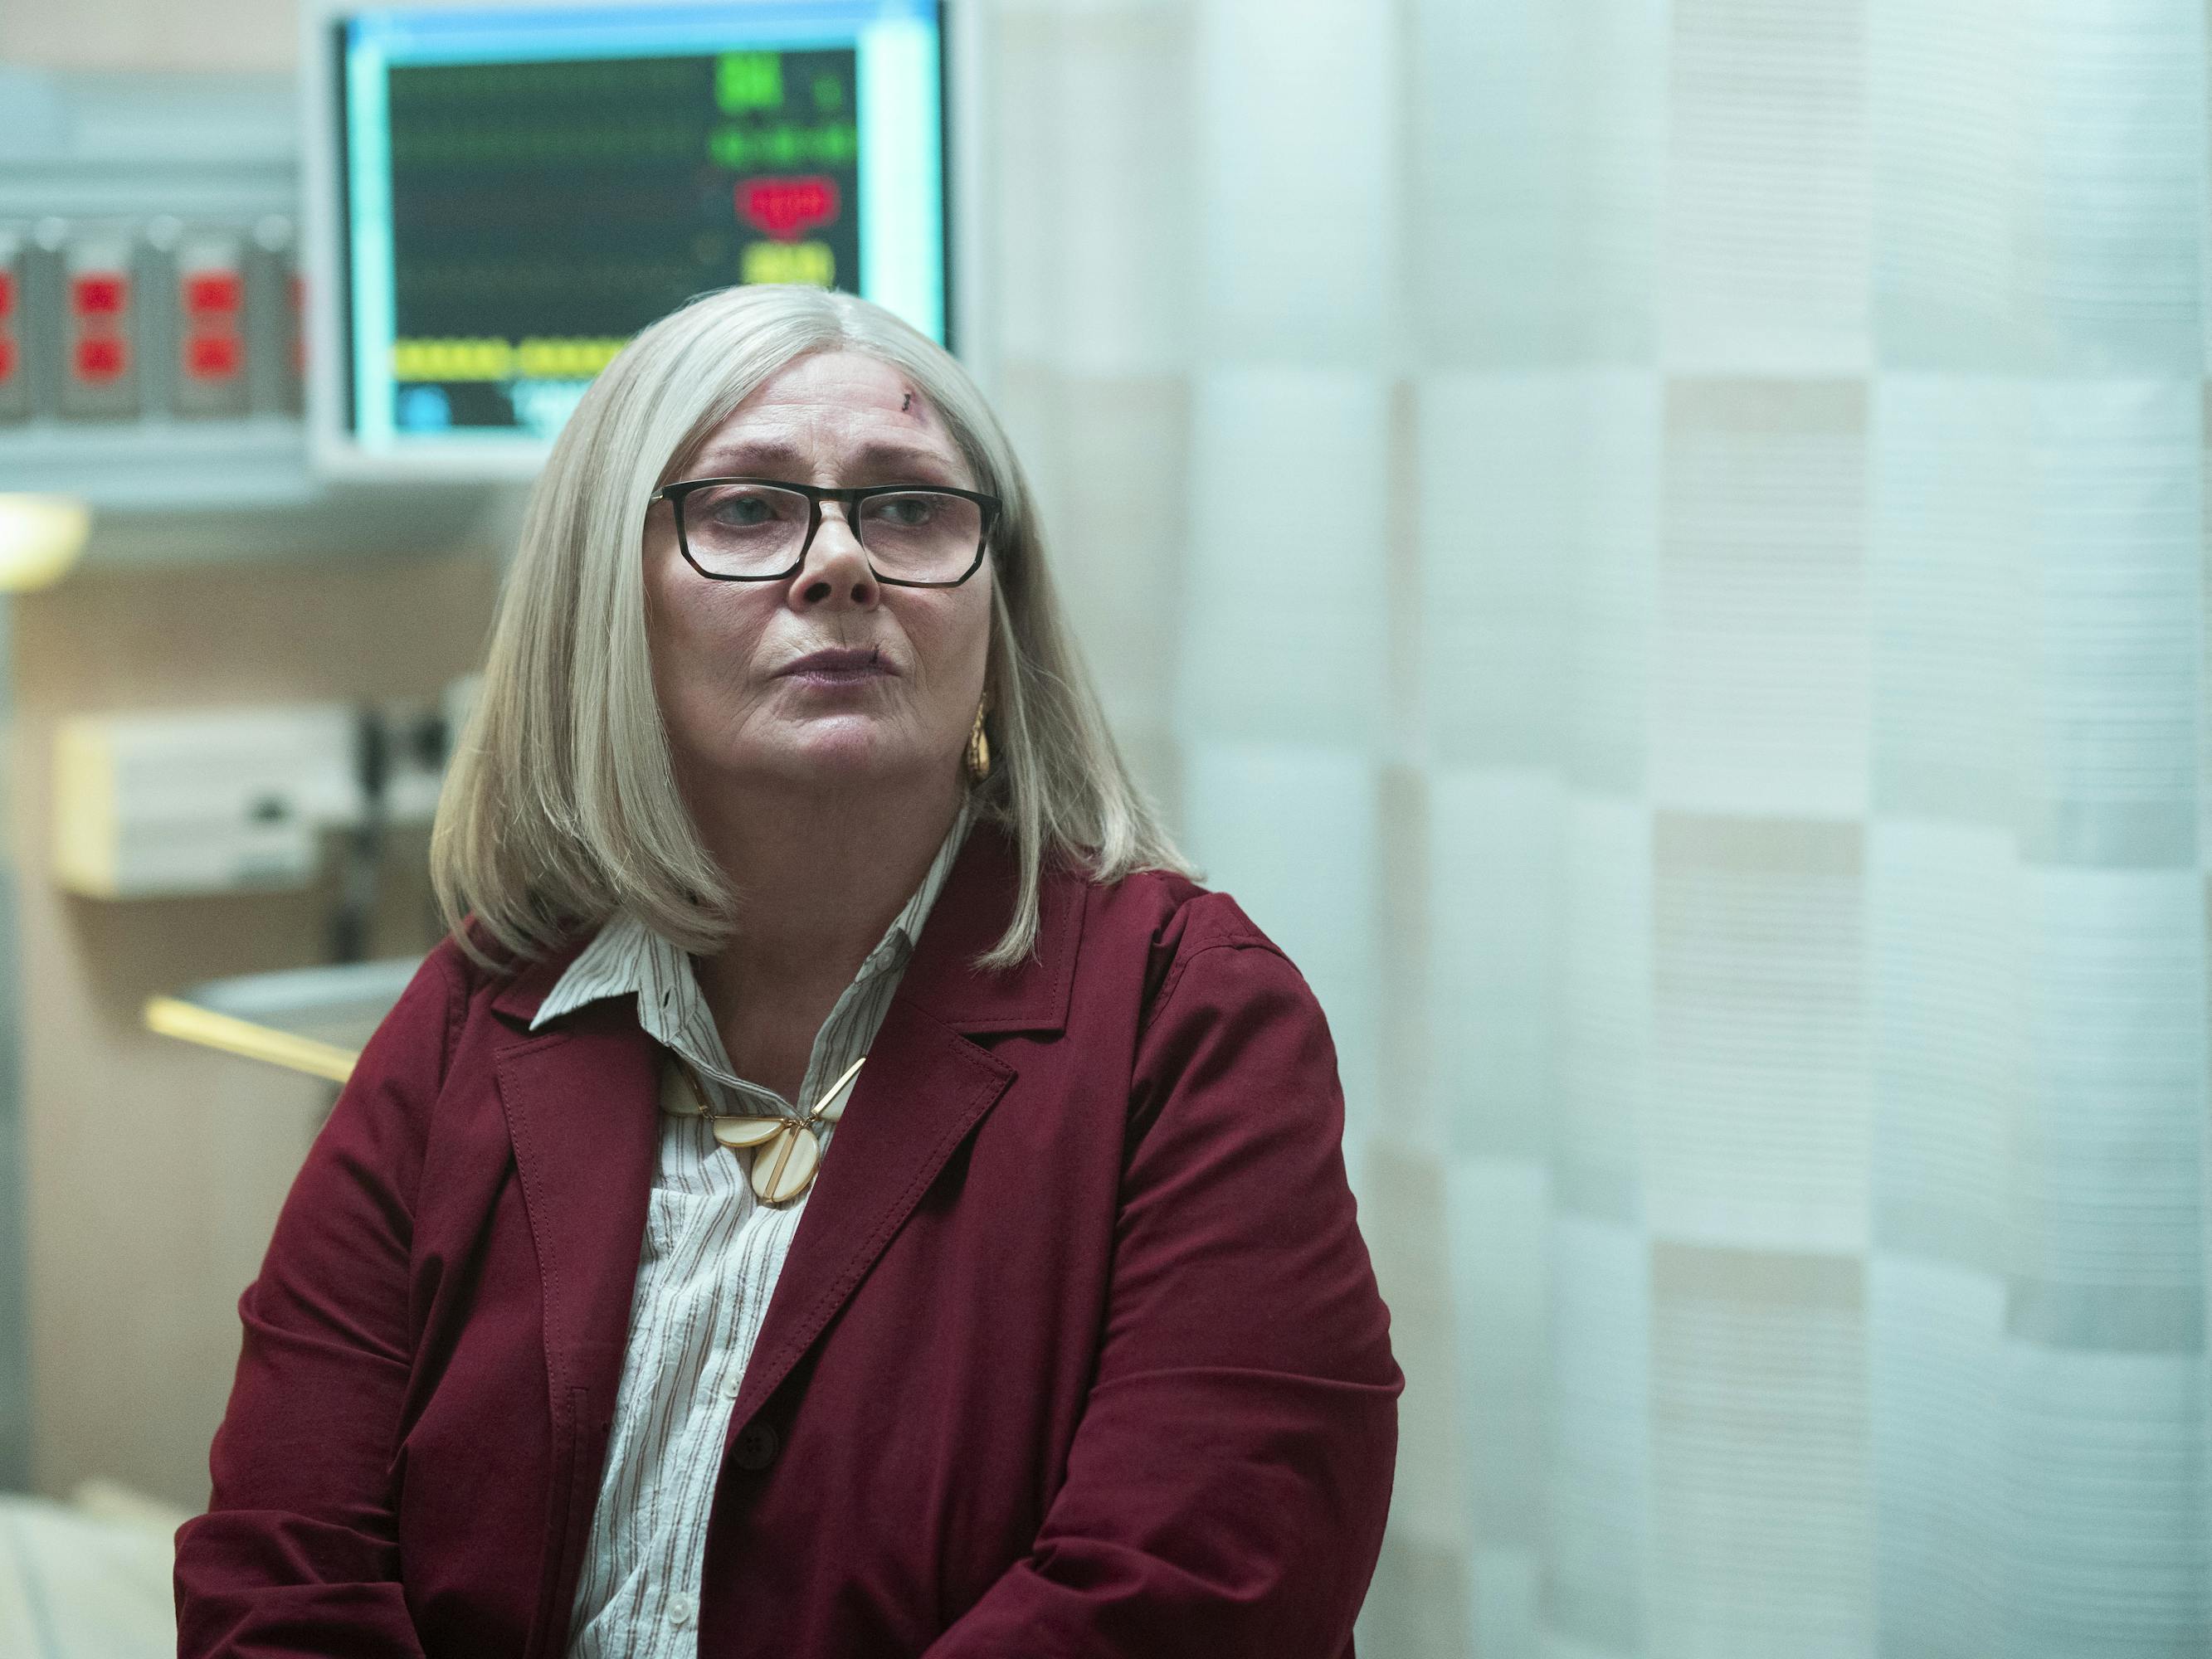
1076,1351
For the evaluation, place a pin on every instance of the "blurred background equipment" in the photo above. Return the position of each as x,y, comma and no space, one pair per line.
156,805
152,355
147,260
40,539
152,805
315,1020
249,800
500,196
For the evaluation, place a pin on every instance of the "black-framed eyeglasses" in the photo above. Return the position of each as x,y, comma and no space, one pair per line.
759,530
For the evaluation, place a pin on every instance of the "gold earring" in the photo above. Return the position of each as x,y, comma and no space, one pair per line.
979,750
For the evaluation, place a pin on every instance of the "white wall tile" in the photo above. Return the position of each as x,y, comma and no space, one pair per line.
1290,833
1765,245
1297,172
1285,635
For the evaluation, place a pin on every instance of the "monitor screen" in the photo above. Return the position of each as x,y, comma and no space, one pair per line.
521,189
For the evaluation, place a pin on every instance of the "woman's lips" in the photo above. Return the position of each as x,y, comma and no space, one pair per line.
839,666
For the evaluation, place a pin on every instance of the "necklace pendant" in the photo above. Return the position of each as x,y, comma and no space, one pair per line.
737,1132
831,1107
787,1151
784,1163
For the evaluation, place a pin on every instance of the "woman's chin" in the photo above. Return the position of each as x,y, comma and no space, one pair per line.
844,749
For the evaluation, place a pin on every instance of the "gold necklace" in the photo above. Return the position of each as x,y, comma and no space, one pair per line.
786,1150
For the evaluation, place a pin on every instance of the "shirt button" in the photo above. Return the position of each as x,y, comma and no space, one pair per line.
729,1387
681,1609
755,1447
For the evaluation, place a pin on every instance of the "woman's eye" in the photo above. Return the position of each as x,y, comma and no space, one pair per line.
741,512
909,512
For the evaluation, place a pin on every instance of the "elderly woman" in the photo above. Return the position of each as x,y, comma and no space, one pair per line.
843,1190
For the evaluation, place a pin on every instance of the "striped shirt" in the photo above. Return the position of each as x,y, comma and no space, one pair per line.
708,1265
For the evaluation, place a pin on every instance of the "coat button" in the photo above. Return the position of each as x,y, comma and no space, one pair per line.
757,1446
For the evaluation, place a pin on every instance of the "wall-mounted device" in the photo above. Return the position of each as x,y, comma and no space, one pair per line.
149,806
499,195
152,344
232,800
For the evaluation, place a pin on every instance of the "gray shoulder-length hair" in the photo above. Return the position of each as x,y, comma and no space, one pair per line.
561,808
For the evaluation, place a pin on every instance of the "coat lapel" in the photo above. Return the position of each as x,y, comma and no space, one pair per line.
580,1105
925,1088
580,1101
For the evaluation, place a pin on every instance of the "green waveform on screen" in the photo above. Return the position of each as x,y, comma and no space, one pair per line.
554,84
832,143
471,144
524,277
541,210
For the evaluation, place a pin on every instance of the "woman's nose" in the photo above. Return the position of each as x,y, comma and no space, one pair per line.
836,567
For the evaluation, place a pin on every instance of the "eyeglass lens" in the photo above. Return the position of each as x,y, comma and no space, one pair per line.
758,530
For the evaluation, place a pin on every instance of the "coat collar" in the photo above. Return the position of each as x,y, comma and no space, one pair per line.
579,1101
970,912
977,902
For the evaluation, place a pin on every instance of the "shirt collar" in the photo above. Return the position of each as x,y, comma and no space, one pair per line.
627,957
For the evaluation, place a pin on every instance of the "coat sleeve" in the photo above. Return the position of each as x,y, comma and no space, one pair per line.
297,1554
1227,1484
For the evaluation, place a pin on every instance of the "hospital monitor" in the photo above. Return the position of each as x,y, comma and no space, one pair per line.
501,194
